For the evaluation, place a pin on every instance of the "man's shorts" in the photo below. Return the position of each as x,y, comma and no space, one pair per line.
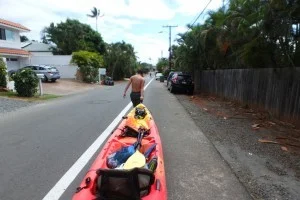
135,98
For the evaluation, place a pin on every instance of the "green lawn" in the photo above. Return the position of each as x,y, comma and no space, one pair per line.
14,95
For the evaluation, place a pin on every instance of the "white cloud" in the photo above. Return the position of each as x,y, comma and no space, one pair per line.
181,29
194,7
154,9
148,46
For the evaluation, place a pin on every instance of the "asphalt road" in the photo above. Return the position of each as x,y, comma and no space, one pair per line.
39,144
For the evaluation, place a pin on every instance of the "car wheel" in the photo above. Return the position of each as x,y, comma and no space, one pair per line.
190,92
45,79
53,80
171,89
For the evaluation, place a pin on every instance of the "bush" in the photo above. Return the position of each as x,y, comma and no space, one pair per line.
88,64
26,83
3,81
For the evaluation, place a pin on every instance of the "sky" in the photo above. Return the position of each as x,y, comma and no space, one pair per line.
138,22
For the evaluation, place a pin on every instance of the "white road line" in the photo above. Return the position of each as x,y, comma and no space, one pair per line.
60,187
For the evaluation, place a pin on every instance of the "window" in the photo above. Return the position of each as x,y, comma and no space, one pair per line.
6,34
41,68
2,34
11,59
9,35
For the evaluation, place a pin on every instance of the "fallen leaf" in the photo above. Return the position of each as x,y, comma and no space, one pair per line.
255,126
267,141
284,148
272,123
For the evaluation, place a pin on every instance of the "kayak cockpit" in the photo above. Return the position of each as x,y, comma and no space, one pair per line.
124,184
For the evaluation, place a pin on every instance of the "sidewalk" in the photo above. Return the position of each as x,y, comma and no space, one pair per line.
194,168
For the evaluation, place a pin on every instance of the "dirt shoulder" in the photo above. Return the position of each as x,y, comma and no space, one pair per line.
264,153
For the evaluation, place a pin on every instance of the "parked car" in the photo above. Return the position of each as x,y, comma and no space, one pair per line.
170,76
50,73
181,82
108,81
158,75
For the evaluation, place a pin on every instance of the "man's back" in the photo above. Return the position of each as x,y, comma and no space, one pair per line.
137,83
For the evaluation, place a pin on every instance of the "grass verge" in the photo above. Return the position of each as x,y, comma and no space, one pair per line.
36,97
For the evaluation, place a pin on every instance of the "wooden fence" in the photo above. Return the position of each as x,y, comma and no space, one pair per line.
276,90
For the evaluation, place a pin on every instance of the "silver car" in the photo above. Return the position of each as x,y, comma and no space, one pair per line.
50,73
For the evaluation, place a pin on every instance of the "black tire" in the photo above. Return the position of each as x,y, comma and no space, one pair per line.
171,89
53,80
45,79
190,92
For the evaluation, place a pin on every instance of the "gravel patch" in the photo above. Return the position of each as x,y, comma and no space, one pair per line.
266,171
9,105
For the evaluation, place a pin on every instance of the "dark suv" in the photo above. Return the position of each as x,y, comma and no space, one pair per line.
181,82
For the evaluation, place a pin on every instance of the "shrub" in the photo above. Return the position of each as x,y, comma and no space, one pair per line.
26,83
88,64
3,81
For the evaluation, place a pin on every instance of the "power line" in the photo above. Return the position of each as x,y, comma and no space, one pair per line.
201,13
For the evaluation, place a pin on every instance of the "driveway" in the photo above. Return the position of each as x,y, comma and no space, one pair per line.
67,86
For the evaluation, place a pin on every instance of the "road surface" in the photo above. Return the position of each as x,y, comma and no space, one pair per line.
40,144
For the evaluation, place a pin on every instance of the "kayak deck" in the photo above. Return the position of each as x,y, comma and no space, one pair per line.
116,141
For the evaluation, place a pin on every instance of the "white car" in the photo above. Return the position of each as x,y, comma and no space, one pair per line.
158,75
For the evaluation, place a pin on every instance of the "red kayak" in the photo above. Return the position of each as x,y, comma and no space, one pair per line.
130,165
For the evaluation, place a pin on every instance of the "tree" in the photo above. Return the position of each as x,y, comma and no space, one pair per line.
23,38
44,40
244,34
120,60
3,74
95,14
71,36
88,63
162,64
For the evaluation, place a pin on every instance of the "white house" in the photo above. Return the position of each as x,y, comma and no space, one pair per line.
10,44
19,54
37,48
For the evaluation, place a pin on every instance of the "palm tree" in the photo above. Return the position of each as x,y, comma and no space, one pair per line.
95,14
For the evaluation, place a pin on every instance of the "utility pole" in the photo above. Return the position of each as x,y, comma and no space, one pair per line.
170,46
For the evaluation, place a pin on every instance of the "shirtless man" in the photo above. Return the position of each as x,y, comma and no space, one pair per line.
137,89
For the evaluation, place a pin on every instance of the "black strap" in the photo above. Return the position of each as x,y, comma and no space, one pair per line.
87,183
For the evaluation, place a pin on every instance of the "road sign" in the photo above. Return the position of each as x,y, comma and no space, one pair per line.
102,71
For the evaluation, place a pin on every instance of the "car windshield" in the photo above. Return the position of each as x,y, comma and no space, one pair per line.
184,77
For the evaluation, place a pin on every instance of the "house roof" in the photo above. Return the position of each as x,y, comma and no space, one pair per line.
8,51
36,47
13,25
